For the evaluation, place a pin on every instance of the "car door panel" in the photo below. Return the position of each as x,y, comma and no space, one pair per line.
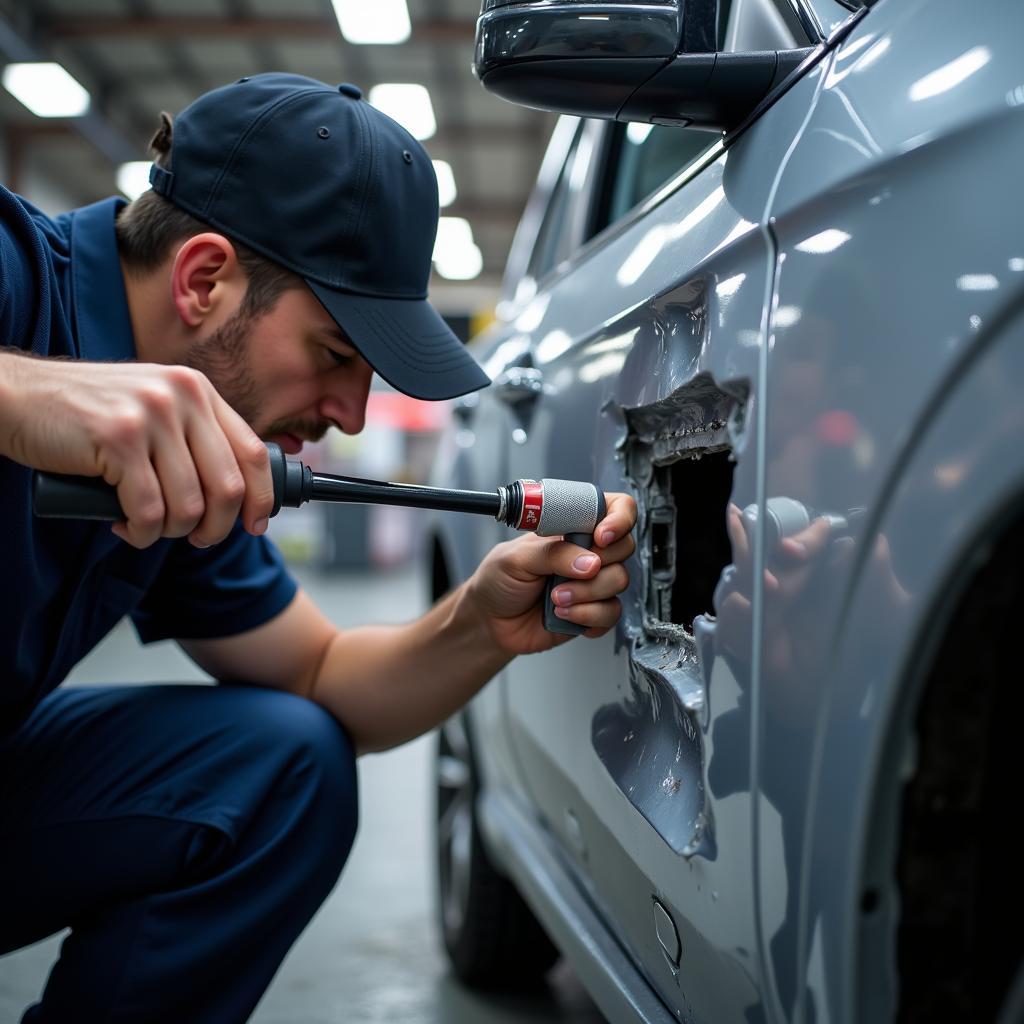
651,349
474,457
476,453
874,329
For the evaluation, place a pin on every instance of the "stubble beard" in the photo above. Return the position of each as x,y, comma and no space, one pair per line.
225,360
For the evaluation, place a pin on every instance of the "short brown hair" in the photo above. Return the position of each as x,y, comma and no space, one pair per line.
147,228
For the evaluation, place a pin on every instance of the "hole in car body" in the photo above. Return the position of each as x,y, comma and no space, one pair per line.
678,454
686,535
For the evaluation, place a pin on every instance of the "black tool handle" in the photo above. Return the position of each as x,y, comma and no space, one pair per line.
56,496
60,496
552,623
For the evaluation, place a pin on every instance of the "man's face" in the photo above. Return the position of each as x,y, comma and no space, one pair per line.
289,373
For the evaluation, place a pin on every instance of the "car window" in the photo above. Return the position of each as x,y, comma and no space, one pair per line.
611,168
552,245
767,25
641,158
565,224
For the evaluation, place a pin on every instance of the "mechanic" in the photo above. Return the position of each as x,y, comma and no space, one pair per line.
186,834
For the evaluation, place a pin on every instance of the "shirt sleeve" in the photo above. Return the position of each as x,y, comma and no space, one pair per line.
25,287
204,593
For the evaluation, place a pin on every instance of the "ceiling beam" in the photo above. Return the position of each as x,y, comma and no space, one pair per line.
92,125
453,137
220,27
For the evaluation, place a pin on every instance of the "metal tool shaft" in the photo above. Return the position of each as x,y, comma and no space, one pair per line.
327,487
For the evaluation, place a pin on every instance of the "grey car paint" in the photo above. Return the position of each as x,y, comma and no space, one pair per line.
837,299
900,237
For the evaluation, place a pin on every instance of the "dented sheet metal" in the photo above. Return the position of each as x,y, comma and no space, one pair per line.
651,742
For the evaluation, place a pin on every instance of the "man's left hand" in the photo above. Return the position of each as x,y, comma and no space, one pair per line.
509,584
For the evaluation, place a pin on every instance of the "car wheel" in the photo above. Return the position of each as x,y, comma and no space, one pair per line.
492,938
1013,1008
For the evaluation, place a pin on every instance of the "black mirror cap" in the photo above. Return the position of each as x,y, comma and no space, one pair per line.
652,61
711,91
574,57
714,92
515,33
587,86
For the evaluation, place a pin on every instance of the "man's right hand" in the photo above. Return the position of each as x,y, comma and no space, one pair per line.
183,461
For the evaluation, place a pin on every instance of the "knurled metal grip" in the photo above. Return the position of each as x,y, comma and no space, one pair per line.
569,506
552,623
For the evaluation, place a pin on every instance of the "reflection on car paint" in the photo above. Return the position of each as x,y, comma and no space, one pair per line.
844,320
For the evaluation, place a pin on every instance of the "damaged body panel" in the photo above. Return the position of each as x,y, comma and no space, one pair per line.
677,455
804,361
669,387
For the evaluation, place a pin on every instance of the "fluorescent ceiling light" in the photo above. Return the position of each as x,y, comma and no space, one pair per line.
446,191
453,233
408,104
133,178
373,21
463,265
456,256
46,89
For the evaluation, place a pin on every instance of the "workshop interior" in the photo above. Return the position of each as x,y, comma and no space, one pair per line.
757,265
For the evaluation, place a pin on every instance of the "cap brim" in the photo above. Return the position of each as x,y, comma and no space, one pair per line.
407,342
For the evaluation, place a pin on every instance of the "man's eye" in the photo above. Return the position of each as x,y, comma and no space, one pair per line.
339,358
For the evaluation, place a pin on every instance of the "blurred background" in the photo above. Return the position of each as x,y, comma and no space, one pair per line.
83,84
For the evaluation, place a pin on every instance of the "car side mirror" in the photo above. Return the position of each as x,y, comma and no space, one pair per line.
629,60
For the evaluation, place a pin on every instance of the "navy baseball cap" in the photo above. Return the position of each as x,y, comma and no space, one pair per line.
315,179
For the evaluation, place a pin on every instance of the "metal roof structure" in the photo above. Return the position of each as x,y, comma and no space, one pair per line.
138,57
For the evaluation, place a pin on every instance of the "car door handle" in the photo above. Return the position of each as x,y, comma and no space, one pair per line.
518,384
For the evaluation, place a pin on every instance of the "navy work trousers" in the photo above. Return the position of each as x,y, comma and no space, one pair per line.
186,834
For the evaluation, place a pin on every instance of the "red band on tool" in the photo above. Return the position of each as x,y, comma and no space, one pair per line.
533,503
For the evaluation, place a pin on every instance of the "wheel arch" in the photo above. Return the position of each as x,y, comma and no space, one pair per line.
939,772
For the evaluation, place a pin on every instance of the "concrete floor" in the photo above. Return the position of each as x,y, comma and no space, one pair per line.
372,953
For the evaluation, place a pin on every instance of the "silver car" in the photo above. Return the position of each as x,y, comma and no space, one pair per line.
771,283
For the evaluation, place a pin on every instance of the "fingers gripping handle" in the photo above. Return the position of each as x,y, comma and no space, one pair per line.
552,623
56,496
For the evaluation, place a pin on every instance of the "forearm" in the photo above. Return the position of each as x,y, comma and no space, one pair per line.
389,684
16,376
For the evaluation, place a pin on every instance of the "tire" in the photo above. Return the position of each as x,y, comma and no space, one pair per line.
1013,1008
492,938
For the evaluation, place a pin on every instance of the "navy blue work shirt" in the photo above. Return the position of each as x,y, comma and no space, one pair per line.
65,584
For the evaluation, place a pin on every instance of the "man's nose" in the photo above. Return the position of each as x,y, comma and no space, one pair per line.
345,397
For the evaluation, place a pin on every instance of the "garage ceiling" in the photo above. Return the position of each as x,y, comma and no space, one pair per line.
138,57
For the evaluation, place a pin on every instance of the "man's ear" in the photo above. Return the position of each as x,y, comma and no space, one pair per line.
207,279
